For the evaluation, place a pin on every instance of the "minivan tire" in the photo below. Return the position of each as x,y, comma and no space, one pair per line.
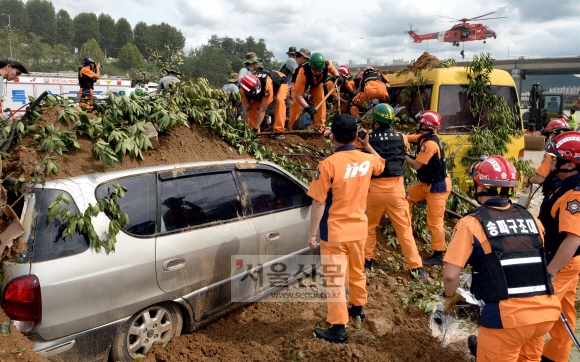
157,323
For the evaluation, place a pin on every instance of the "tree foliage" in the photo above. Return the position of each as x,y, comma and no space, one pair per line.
142,37
64,28
86,26
91,48
18,15
107,32
123,35
42,20
130,57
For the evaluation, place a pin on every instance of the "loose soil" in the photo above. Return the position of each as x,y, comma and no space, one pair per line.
425,61
261,331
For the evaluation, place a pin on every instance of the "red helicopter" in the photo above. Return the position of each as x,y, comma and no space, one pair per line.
459,32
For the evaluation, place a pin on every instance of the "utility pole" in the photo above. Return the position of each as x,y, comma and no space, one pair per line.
9,34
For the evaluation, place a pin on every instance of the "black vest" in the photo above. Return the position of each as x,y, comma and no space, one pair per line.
436,169
368,76
390,145
263,75
554,237
85,82
516,266
311,82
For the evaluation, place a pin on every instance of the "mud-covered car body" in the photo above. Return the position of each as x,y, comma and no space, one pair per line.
173,261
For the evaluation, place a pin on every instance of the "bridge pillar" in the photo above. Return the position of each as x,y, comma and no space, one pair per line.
518,75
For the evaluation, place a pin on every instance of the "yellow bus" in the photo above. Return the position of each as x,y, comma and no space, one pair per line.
442,90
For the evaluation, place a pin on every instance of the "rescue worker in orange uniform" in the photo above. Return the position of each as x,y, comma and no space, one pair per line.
543,176
258,91
373,85
88,75
387,191
560,215
346,90
302,57
434,184
310,78
339,192
503,243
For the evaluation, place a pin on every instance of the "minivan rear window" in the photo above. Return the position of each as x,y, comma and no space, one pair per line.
45,234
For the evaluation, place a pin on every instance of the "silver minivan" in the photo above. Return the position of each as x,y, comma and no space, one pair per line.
172,270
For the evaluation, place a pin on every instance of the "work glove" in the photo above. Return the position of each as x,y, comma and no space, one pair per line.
350,95
449,307
311,111
339,80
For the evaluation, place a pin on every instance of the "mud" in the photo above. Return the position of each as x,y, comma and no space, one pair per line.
425,61
15,346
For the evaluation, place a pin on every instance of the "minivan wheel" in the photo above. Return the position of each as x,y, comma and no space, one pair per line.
157,323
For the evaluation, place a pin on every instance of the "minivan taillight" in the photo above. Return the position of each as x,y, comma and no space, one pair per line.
22,302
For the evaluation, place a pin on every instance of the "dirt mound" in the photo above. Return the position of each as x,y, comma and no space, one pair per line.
15,346
425,61
269,331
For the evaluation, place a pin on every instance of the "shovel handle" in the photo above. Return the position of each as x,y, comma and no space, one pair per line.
334,87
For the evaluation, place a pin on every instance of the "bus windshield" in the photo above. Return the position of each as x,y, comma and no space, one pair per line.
454,107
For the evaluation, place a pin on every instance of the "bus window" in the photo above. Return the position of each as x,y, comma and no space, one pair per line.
454,107
411,101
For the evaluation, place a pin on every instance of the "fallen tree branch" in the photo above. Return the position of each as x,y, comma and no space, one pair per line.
30,109
453,213
469,201
312,148
289,132
301,154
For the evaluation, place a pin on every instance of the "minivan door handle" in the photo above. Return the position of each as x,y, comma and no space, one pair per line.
173,264
273,236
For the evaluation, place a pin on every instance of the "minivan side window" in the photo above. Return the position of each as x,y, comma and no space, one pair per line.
271,191
140,202
199,199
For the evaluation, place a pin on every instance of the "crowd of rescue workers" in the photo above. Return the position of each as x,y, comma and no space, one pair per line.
524,267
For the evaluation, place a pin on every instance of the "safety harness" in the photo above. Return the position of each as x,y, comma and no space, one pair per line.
516,266
369,75
263,75
311,81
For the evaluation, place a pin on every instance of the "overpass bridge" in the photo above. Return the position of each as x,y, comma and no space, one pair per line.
520,67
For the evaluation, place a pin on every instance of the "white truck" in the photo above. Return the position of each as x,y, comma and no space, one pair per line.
16,92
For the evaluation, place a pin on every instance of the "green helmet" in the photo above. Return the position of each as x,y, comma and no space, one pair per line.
384,113
317,61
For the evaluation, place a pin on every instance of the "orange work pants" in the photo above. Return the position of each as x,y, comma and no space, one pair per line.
558,347
254,108
334,256
280,110
511,344
373,89
435,209
397,208
317,94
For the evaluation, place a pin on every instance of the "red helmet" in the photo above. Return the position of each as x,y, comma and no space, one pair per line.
557,124
494,171
251,84
428,120
565,146
344,71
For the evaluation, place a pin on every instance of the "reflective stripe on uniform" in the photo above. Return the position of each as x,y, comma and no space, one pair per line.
529,260
521,290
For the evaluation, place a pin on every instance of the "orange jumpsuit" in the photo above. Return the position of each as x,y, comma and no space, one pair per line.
435,200
373,89
387,195
348,86
544,168
511,329
566,280
317,93
342,181
269,96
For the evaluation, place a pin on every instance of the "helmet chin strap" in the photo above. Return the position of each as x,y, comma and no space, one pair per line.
497,191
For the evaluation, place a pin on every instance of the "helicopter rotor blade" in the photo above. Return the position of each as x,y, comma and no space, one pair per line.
481,16
447,17
499,17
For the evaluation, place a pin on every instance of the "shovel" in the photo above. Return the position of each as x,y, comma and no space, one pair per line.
304,120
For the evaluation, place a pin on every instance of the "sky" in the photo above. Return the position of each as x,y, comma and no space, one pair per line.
357,30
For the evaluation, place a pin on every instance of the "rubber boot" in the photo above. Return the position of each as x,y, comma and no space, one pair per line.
369,263
354,311
334,334
472,344
435,259
419,273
